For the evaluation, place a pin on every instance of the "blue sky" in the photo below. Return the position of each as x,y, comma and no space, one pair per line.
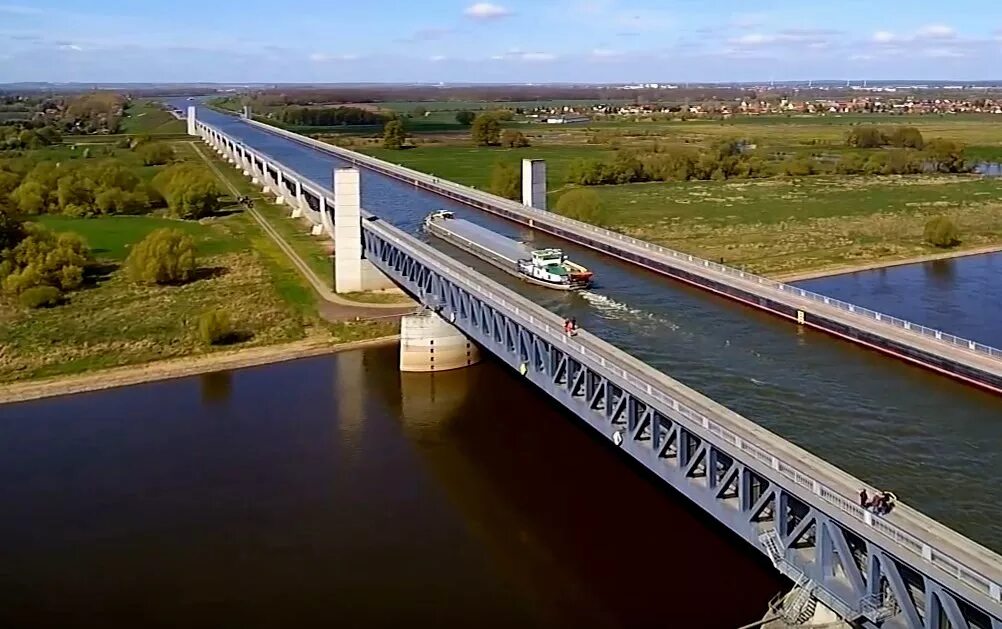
497,41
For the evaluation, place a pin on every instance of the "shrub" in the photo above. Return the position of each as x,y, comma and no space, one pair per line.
156,153
165,256
941,232
215,327
11,231
514,139
465,118
583,205
486,130
40,297
394,135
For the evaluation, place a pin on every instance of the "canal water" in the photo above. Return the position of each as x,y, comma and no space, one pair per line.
894,425
962,296
336,491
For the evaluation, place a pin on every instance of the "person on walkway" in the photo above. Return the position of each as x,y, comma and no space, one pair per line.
864,499
574,326
568,327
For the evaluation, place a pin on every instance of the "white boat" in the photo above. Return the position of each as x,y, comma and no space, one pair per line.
544,267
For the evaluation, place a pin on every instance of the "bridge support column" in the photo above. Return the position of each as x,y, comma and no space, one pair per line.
430,343
192,120
351,271
534,183
298,201
246,115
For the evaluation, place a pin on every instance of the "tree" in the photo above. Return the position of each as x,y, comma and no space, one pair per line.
465,118
941,232
419,112
215,327
513,139
44,258
866,137
799,167
946,156
506,181
486,130
31,197
156,153
165,256
394,134
583,205
906,138
190,191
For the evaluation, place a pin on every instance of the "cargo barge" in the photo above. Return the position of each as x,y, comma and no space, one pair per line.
543,267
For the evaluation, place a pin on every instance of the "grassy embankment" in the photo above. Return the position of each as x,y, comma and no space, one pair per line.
776,225
113,322
316,251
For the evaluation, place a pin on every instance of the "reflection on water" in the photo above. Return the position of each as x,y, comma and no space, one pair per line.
337,490
216,387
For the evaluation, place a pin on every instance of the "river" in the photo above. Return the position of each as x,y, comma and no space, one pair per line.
894,425
336,490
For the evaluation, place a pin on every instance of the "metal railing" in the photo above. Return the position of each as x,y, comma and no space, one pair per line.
489,199
619,366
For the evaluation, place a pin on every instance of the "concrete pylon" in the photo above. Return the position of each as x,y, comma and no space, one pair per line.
430,343
351,271
192,120
246,113
534,183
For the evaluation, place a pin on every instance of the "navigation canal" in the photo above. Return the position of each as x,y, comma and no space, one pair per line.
931,440
338,490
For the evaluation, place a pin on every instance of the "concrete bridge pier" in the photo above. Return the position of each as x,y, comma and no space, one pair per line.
430,343
534,183
192,121
298,201
351,271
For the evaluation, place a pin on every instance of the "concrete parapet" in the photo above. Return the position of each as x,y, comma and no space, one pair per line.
430,343
192,120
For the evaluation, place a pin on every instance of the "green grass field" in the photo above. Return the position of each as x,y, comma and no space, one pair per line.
110,237
793,225
146,118
472,165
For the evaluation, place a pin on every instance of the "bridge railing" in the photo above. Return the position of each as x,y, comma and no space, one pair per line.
623,368
473,193
645,381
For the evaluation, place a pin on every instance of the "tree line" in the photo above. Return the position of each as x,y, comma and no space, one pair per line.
91,187
329,116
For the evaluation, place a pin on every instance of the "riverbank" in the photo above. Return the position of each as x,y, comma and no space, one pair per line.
795,276
178,368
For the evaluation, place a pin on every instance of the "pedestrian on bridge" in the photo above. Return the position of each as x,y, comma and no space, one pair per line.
864,499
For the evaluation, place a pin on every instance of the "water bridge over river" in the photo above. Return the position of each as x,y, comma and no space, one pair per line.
900,569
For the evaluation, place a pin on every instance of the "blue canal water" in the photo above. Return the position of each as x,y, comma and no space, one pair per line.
962,296
887,422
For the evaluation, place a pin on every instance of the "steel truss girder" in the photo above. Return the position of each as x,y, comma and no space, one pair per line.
859,580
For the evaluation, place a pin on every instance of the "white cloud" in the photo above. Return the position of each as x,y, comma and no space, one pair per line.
323,57
605,53
937,31
753,39
486,11
519,55
884,37
72,47
944,53
437,58
12,9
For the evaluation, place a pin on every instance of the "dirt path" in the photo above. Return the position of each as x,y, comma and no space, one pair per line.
177,368
333,307
870,266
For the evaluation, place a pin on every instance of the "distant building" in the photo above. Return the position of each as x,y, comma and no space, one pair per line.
567,119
